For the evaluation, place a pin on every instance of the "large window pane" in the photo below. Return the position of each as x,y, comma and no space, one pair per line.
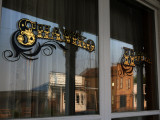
50,58
133,57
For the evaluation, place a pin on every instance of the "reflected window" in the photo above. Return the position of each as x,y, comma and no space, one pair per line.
129,83
117,83
121,83
82,99
77,98
126,84
122,101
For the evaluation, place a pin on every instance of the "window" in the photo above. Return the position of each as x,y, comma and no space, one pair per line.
99,95
50,50
133,55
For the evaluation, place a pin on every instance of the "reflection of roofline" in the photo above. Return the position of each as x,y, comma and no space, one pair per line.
59,79
63,73
91,88
89,70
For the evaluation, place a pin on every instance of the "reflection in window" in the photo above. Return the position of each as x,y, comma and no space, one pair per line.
50,85
126,84
133,56
117,83
82,99
77,98
121,83
122,101
129,83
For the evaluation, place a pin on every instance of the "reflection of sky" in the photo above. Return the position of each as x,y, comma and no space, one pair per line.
117,50
10,16
24,74
87,59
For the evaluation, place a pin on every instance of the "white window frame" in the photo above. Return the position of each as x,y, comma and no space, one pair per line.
155,6
105,65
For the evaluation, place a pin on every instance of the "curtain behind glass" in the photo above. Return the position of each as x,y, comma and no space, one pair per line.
133,29
64,83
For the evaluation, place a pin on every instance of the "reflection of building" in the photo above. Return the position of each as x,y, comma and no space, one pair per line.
49,98
56,92
122,90
91,83
135,95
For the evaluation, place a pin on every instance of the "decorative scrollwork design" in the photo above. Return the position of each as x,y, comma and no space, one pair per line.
29,52
126,69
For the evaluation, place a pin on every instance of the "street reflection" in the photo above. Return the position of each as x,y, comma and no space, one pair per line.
49,99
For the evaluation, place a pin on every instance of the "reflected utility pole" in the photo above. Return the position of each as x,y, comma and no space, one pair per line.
140,97
70,80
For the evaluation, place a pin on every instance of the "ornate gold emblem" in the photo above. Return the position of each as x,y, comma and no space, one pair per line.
24,39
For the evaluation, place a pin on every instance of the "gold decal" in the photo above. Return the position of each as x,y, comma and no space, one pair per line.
40,31
67,39
28,29
84,45
66,36
56,34
47,31
130,59
92,48
126,56
79,43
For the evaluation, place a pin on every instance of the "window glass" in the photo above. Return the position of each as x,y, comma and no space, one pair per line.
49,60
133,56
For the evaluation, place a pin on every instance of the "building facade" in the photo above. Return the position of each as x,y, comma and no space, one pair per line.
80,59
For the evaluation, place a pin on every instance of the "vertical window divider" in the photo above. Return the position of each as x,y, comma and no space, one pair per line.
0,10
157,32
104,61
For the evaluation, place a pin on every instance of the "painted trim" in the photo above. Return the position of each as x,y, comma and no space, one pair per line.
150,5
0,10
82,117
158,53
104,69
104,59
135,114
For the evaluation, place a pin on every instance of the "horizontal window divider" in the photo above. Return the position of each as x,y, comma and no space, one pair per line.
135,114
79,117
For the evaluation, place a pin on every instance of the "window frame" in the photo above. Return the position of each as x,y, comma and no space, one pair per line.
152,4
104,60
